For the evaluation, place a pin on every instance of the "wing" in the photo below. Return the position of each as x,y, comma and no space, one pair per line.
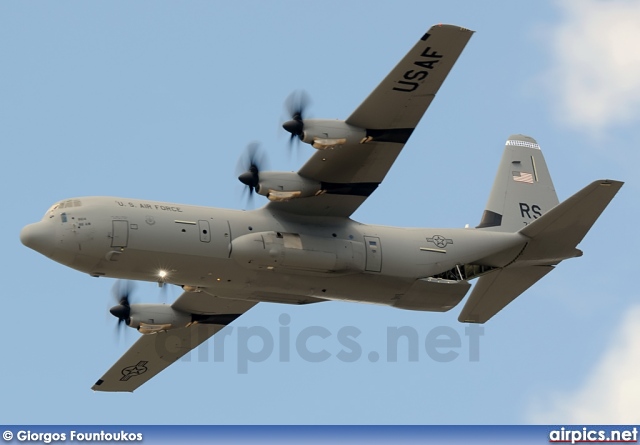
152,353
352,171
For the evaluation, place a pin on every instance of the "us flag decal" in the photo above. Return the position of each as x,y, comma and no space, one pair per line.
523,177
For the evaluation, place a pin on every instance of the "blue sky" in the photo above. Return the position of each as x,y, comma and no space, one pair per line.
157,100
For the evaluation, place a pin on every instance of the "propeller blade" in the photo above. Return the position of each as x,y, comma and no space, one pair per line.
252,161
296,105
121,291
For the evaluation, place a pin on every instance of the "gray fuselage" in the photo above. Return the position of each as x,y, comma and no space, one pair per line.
258,255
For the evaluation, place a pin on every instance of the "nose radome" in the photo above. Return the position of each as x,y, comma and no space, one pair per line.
38,237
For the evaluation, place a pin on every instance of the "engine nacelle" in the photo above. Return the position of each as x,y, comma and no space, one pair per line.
149,318
323,134
297,253
283,186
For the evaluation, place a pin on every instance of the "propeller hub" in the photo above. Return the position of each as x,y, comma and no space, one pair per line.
250,164
294,126
121,312
249,178
295,105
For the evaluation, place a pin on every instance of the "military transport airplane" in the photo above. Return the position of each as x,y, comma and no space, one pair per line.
302,247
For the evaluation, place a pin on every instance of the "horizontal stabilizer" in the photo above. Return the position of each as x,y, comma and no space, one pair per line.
497,289
555,235
553,238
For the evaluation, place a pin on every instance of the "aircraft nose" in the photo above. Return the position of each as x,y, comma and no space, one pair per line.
37,237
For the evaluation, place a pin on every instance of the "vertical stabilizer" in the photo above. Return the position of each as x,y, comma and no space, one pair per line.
522,191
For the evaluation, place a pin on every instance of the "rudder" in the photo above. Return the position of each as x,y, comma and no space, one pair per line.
522,190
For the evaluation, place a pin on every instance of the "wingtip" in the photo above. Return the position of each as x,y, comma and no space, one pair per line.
457,27
467,319
609,182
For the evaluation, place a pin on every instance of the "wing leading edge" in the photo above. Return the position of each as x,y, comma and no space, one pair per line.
351,172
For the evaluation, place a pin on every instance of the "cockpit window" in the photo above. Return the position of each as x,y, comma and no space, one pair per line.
63,205
70,203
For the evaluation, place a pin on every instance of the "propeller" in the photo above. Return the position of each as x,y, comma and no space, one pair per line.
122,290
252,161
296,105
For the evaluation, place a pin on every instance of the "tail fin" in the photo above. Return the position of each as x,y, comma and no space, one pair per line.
522,191
552,238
